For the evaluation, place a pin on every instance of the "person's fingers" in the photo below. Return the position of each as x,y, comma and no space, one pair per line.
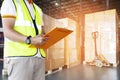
45,38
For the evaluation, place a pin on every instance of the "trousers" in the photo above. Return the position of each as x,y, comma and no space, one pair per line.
26,68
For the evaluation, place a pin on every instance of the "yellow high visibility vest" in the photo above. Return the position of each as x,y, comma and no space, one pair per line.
25,26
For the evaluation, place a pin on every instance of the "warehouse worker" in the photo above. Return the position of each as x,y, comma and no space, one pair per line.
22,26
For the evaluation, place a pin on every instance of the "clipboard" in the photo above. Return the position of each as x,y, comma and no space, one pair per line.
55,35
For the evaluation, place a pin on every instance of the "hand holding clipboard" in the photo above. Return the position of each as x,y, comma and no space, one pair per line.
54,35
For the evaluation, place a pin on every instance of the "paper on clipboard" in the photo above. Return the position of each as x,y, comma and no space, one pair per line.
55,35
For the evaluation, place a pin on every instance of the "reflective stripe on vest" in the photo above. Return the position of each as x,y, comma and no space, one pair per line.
24,25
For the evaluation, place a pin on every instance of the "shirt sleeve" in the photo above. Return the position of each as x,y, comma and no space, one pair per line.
8,9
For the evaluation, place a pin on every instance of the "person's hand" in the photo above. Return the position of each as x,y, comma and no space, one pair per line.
39,40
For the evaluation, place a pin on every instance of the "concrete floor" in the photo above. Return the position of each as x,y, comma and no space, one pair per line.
85,72
82,72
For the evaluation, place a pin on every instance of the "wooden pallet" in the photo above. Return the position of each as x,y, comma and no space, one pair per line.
55,70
